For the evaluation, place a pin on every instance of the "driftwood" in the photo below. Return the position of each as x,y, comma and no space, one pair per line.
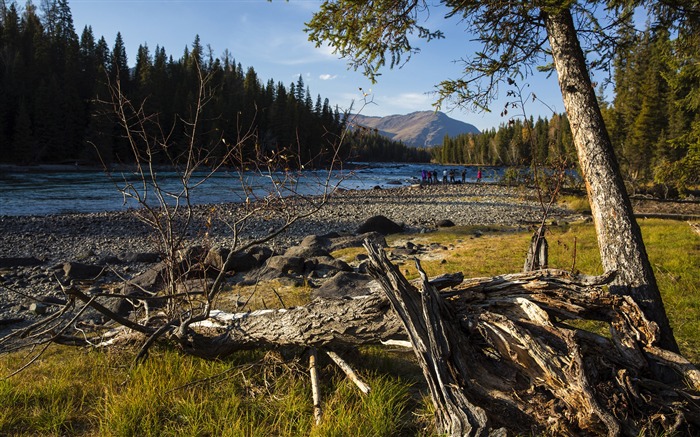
500,354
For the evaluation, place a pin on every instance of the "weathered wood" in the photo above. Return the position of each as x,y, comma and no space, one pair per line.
315,385
501,346
436,342
352,376
538,252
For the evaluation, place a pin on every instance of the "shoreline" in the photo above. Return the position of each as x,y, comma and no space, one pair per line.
60,237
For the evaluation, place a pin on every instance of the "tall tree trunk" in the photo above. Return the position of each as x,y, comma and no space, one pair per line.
619,236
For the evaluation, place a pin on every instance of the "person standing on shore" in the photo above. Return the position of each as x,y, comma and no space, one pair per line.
478,175
464,175
444,176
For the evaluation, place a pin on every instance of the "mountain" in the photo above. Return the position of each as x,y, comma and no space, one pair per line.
418,129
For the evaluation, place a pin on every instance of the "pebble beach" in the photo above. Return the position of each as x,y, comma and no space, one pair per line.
68,237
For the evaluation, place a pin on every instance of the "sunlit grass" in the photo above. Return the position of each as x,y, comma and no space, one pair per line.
71,391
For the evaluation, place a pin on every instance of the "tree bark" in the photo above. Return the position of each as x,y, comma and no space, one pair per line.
619,237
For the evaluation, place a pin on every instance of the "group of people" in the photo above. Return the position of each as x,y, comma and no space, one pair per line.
448,176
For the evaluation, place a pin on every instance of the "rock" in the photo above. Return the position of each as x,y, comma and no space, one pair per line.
380,224
80,271
52,300
239,262
109,260
150,281
325,265
302,251
139,257
286,264
356,241
403,251
315,241
9,262
445,223
343,284
260,253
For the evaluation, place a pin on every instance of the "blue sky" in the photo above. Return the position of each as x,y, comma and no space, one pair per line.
269,37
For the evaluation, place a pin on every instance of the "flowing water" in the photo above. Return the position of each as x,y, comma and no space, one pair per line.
51,191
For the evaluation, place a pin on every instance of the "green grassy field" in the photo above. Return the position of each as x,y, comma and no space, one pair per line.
72,391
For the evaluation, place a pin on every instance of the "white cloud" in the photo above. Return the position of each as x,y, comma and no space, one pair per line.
414,101
328,76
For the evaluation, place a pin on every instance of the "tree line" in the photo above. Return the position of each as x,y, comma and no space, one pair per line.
653,119
512,144
57,90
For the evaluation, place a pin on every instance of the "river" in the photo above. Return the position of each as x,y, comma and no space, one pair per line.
50,190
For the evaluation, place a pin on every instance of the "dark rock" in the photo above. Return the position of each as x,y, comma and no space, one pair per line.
379,224
5,321
80,271
285,264
150,281
343,284
306,251
402,251
260,253
357,241
52,300
446,223
9,262
239,261
139,257
315,241
109,260
325,265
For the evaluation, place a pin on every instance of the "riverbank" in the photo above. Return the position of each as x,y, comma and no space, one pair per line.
69,237
38,251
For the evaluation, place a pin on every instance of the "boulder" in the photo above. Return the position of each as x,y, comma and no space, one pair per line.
342,285
306,251
139,257
150,281
239,262
285,264
356,241
325,265
9,262
403,251
79,271
260,253
445,223
380,224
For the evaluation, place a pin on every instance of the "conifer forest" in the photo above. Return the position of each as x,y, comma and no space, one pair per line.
57,95
57,89
652,116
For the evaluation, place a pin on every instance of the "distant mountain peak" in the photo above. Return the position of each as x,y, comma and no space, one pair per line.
417,129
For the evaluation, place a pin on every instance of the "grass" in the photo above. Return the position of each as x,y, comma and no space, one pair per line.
71,391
